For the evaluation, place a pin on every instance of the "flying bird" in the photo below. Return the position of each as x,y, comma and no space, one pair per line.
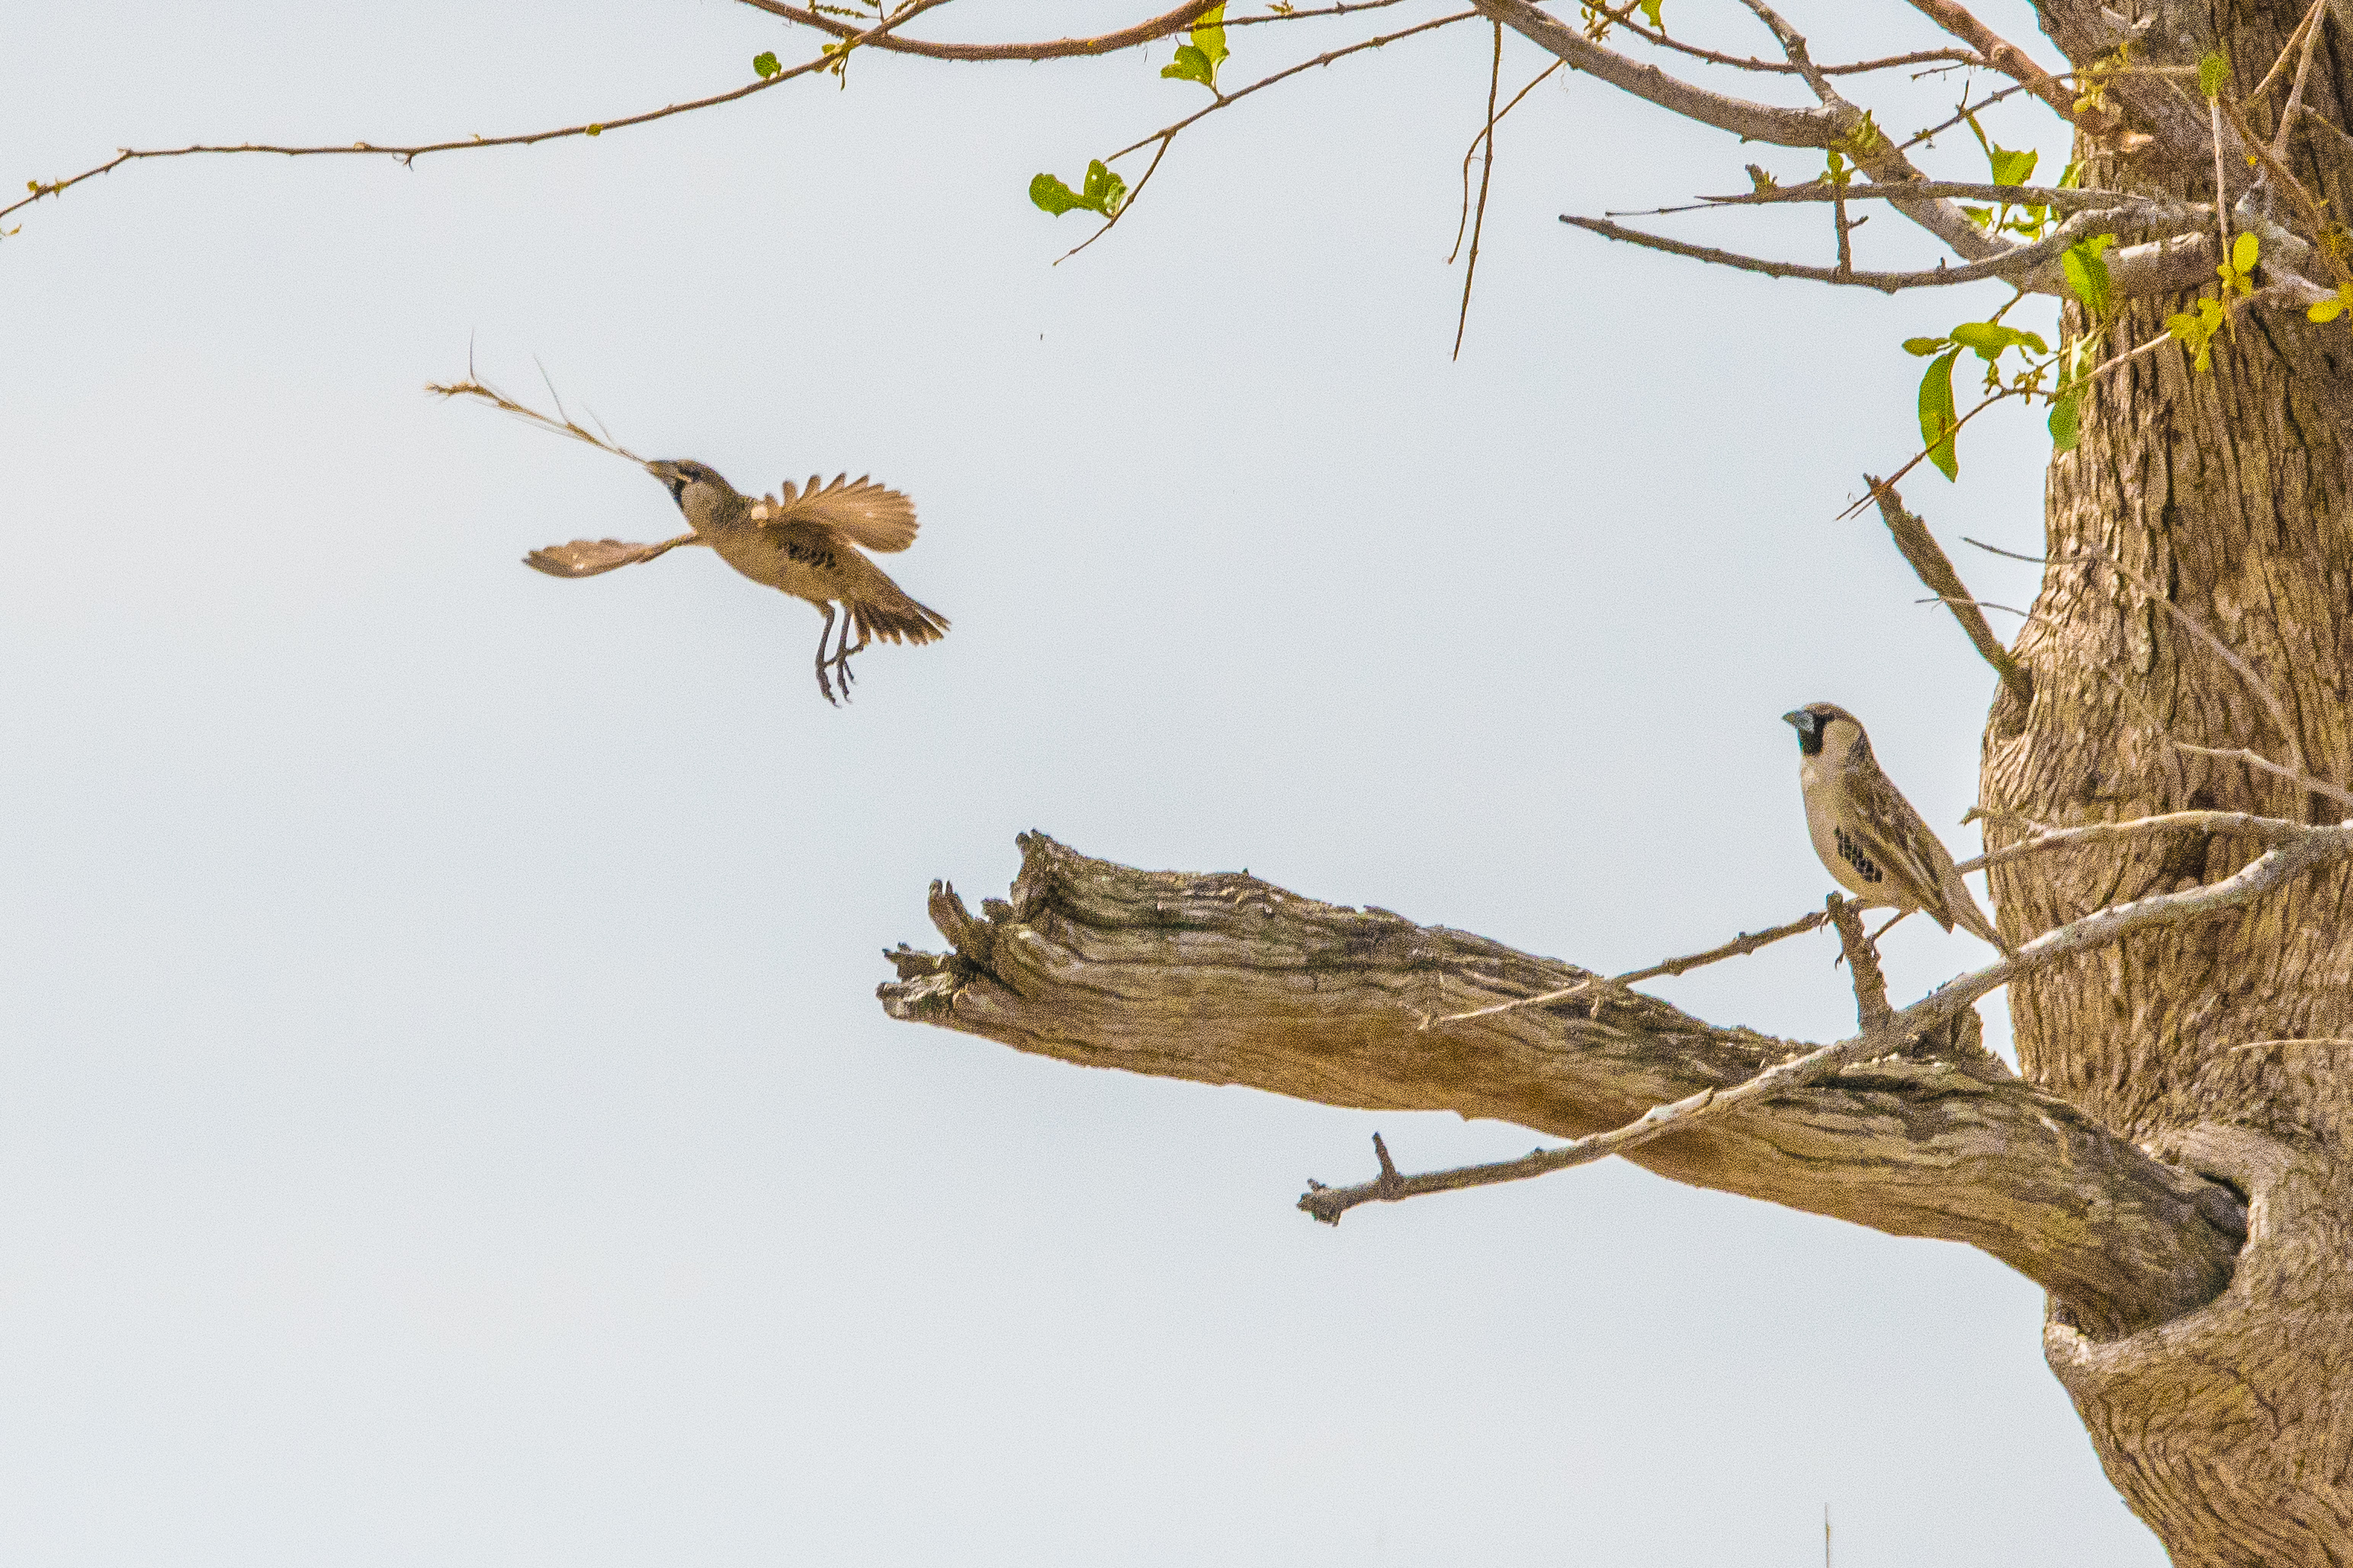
1867,834
804,542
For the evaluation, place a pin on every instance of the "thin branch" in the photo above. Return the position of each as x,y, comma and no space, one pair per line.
2295,776
2001,55
2295,770
2309,848
473,386
2302,35
1169,132
1967,190
2286,126
2224,824
1782,67
1487,177
2312,1040
831,56
1463,225
2307,205
1740,946
1162,138
1145,32
2222,650
1935,569
2008,266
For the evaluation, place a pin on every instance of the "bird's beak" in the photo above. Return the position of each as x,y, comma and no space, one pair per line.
665,472
1797,720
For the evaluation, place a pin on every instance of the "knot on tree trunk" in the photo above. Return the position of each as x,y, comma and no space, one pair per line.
2229,1428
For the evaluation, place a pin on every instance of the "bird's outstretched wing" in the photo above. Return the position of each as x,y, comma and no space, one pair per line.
587,557
868,514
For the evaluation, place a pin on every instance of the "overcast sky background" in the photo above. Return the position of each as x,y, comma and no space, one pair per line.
445,1117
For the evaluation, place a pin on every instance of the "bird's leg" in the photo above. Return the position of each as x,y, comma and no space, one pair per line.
841,656
822,684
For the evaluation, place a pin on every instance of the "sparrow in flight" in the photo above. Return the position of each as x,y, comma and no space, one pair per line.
1867,834
804,543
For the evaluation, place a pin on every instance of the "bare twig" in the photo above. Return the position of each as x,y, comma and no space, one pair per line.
1161,140
2302,35
2012,266
2277,709
2307,205
2222,650
2296,776
2001,55
1740,946
2043,837
1486,176
2310,848
2313,1040
562,425
827,60
1936,569
1144,32
1463,225
2070,200
1782,67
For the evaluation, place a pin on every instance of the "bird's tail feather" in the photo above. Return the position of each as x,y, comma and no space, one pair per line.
895,617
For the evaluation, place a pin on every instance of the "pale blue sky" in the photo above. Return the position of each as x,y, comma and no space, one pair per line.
446,1118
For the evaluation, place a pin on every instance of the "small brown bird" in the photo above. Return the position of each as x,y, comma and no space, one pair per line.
801,543
1867,834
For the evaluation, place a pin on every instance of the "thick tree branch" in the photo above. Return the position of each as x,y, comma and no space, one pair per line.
1226,979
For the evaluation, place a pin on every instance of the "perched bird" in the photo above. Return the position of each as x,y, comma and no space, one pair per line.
801,543
1867,834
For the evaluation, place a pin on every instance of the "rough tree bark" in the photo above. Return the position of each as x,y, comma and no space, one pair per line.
2174,1167
2229,1430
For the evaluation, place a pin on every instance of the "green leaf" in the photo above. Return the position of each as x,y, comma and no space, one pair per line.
1990,337
2330,308
2087,275
2243,251
1191,65
1978,216
1209,34
1924,347
1101,192
2064,415
2196,332
1105,190
2009,166
1198,60
1050,194
598,130
1650,12
2212,72
1937,420
764,65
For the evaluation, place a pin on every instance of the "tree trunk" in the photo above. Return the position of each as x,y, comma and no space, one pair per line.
2230,1429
